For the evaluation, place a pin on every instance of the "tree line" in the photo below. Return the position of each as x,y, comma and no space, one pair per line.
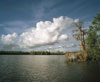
31,53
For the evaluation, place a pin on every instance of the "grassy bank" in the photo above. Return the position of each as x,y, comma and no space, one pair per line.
82,56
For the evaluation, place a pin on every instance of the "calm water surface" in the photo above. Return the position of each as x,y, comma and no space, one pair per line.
25,68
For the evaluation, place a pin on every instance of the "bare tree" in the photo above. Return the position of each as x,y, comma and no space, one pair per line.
79,34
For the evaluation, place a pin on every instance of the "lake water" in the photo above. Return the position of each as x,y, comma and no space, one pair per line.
43,68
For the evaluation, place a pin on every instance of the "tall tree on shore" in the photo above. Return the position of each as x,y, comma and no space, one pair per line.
93,38
79,34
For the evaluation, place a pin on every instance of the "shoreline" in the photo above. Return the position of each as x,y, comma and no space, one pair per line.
31,53
24,54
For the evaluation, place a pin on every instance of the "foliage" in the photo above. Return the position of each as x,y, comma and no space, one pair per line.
89,39
93,38
13,53
31,53
46,53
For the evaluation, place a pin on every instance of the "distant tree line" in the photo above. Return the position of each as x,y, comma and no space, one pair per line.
46,53
31,53
13,53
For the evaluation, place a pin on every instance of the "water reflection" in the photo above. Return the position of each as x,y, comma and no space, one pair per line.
46,69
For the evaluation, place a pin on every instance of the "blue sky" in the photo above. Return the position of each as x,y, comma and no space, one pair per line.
28,12
20,15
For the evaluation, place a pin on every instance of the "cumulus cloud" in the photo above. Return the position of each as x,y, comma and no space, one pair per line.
45,32
63,37
9,39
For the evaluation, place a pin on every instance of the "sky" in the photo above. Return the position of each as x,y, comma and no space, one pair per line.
43,24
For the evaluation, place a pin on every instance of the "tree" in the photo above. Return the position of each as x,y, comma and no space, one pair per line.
93,38
79,34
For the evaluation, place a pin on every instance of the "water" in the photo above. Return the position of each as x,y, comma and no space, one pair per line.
24,68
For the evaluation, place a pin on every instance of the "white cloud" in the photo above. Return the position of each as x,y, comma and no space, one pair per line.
63,37
9,39
45,32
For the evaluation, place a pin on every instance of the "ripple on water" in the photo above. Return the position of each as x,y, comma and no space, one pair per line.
24,68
